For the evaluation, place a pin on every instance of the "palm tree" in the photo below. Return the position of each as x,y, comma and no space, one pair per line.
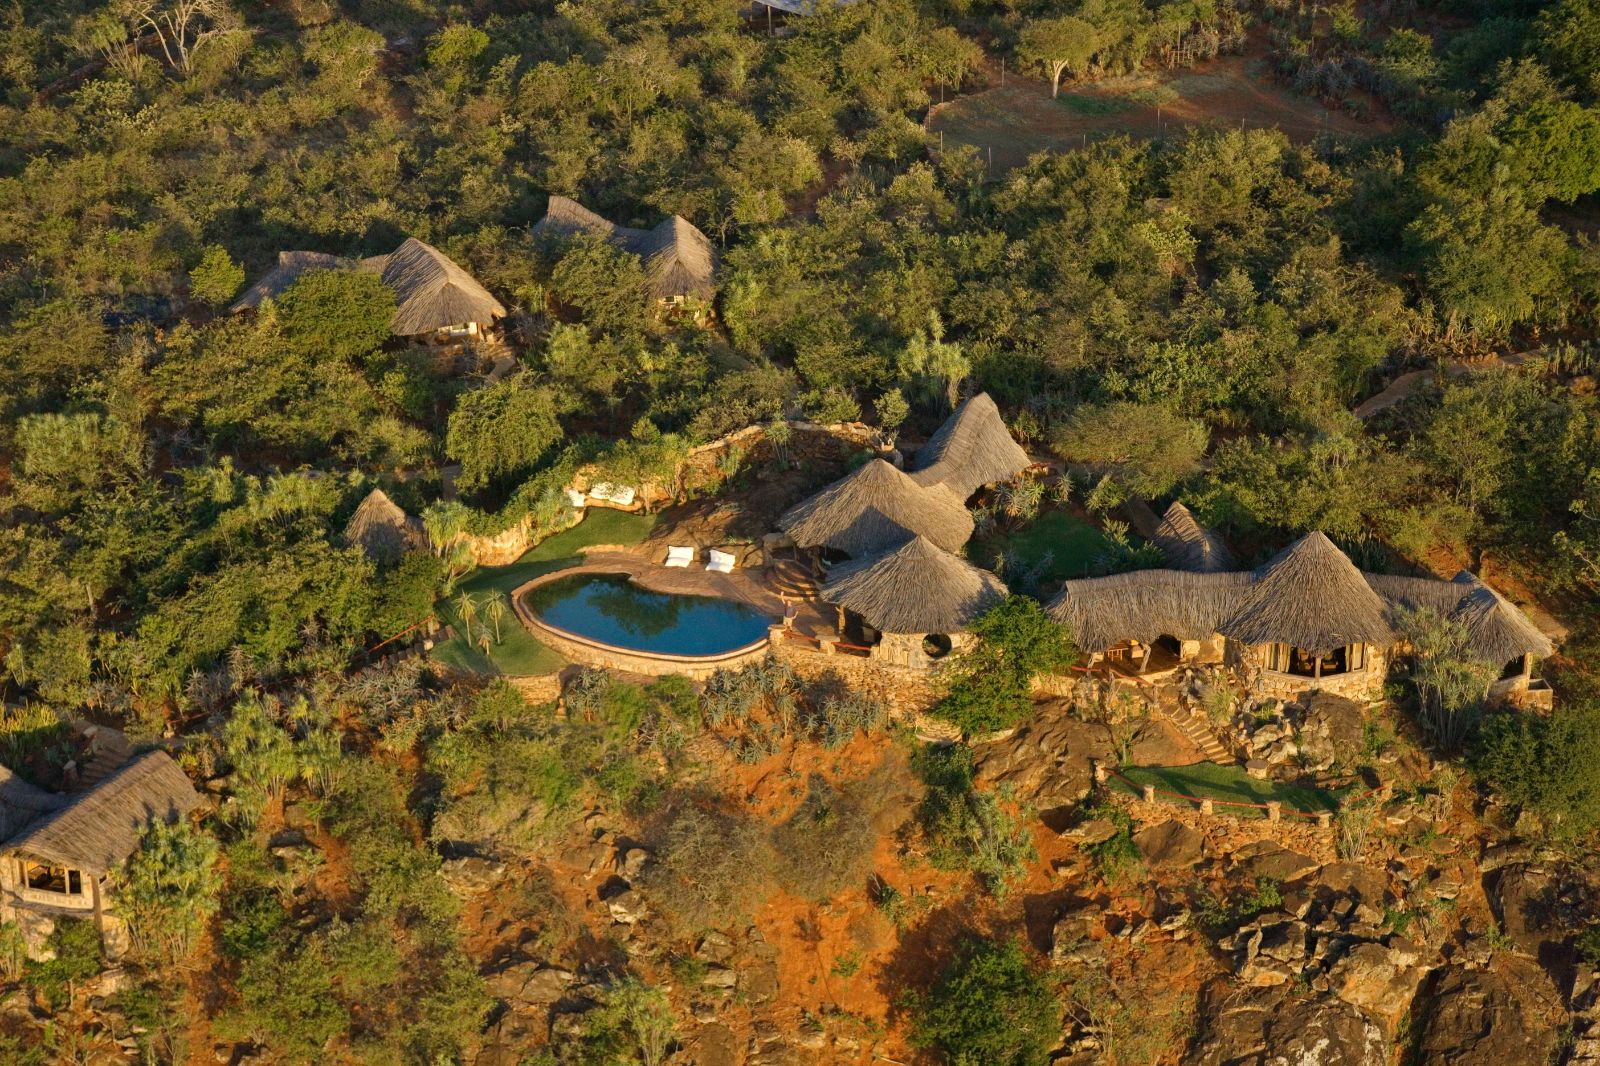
494,609
467,611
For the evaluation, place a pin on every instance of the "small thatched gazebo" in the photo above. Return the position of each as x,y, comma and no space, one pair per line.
678,259
972,449
874,509
57,866
382,530
433,296
914,602
1190,546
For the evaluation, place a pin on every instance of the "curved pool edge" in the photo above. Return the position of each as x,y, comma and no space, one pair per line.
589,652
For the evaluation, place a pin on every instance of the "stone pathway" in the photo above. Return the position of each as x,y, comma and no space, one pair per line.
1198,729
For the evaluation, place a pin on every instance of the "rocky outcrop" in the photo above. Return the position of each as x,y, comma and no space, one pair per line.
1047,760
1170,845
1482,1017
1268,1027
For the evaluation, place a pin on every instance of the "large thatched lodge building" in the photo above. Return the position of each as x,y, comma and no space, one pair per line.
1306,619
900,587
435,300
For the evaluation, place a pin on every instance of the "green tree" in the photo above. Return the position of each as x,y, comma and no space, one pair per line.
990,1007
216,279
1554,149
501,429
1546,764
991,685
169,887
1451,682
1568,32
261,753
1153,446
337,314
1057,46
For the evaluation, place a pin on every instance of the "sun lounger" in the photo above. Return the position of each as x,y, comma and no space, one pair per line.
621,495
576,498
719,562
680,556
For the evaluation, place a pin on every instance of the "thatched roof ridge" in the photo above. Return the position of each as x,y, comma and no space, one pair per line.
381,529
875,508
1497,631
276,281
431,292
22,802
678,258
1101,612
99,829
972,449
917,588
1312,596
1190,546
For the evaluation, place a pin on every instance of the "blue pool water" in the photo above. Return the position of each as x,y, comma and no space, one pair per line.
613,610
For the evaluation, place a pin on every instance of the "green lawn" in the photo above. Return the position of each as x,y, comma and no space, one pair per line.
518,652
1074,545
1228,783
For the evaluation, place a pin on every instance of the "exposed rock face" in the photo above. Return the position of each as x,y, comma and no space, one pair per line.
1046,761
1170,844
1482,1018
1266,1027
529,985
1266,860
1525,901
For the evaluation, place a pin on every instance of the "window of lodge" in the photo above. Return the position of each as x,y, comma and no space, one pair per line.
44,877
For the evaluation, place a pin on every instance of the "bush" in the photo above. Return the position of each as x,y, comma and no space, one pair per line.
992,685
1547,765
826,846
169,888
990,1007
1116,854
969,828
76,943
711,867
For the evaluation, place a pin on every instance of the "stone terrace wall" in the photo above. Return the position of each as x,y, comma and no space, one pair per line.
909,694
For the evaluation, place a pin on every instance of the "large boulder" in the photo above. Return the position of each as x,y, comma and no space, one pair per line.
1046,759
1379,979
1525,901
1268,1027
1170,844
1265,860
1491,1017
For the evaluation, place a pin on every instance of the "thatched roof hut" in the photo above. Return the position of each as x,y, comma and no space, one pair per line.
1312,596
382,530
1497,631
1190,546
875,509
21,803
917,588
1101,612
972,449
276,281
678,259
432,293
96,831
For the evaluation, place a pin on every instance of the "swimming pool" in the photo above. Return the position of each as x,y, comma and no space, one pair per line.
611,609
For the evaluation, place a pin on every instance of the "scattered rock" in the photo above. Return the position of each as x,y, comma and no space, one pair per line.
1265,859
529,984
472,874
627,907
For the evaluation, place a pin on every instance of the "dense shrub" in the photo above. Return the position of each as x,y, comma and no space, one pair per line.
1547,765
991,687
712,866
970,828
990,1007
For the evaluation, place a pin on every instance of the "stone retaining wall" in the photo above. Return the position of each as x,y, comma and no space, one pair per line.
909,694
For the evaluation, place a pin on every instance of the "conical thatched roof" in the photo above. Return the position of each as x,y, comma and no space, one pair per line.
1496,630
99,829
21,803
972,449
1142,605
1312,596
276,281
877,508
431,292
1190,546
917,588
678,259
382,530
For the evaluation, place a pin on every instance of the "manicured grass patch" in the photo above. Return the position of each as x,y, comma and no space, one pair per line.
1074,545
518,652
1093,103
1227,783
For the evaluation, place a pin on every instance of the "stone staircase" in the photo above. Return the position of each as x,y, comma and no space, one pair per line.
108,750
1197,728
791,579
